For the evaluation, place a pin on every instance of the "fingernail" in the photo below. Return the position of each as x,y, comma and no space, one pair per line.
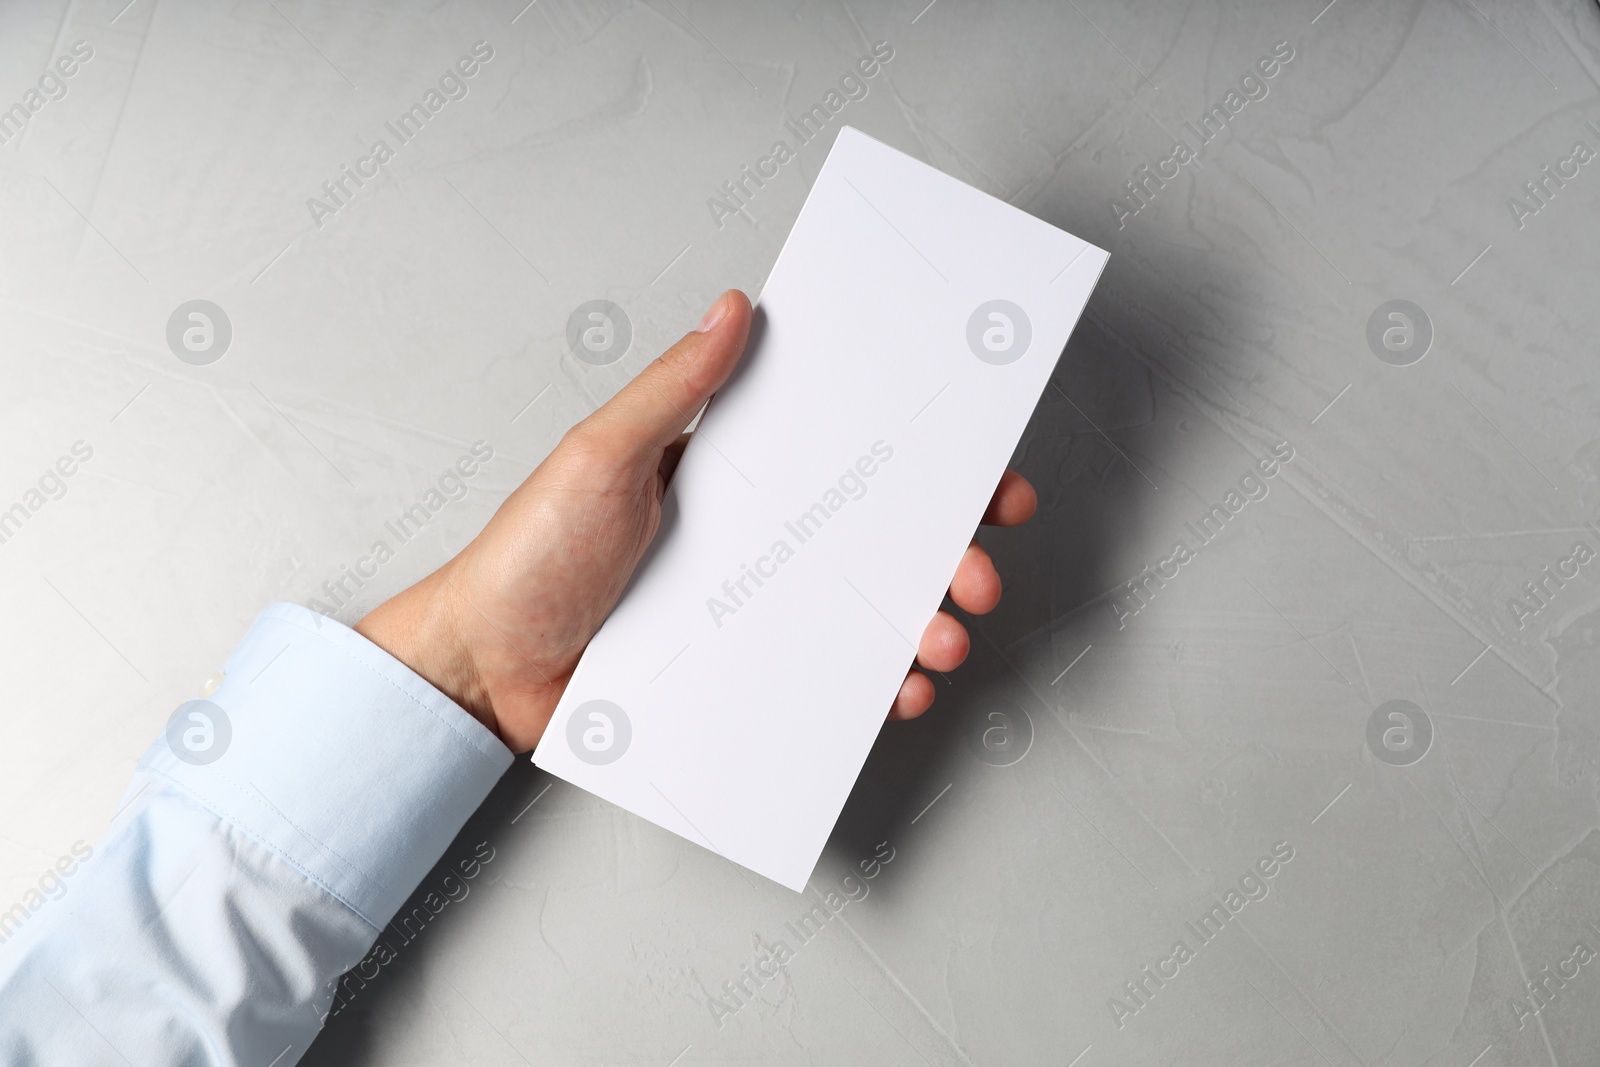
714,315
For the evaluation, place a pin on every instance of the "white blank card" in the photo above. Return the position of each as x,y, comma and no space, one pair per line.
810,532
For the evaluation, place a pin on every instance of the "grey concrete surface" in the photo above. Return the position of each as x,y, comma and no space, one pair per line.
1125,745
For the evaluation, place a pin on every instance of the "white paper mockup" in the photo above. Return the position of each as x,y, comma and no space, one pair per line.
902,340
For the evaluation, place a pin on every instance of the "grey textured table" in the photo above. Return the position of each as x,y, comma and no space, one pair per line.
1149,747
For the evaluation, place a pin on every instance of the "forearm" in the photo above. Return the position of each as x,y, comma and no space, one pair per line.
229,896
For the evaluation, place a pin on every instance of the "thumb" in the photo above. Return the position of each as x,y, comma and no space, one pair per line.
651,411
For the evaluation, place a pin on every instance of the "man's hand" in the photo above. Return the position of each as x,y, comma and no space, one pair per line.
501,626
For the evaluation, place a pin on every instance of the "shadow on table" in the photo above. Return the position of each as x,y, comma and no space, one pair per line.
1092,450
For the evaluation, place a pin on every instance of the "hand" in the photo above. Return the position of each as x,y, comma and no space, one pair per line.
500,627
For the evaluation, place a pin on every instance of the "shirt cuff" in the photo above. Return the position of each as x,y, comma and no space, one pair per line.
335,755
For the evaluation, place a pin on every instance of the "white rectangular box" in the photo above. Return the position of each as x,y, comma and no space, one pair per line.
901,342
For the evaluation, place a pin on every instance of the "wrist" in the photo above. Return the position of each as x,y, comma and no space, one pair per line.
420,627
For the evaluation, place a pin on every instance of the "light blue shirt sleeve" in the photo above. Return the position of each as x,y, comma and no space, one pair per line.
228,897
